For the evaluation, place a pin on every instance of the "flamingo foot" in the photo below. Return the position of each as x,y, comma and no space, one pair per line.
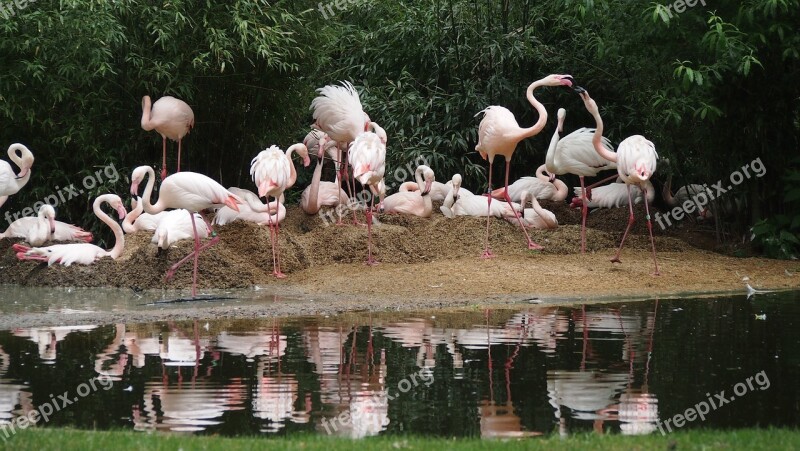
279,274
615,259
372,262
656,274
534,247
487,254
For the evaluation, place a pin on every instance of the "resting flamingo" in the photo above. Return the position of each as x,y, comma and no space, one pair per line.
137,220
367,156
543,187
43,228
416,203
613,195
535,217
688,192
499,134
462,202
188,190
319,193
575,154
81,253
172,118
273,172
11,183
253,210
636,162
176,225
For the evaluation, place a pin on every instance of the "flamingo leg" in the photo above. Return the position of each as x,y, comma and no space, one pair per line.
615,259
584,213
370,261
279,274
589,188
487,253
193,255
650,228
273,237
531,244
179,155
163,157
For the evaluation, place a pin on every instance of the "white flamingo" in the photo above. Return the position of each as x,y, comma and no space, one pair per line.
462,202
636,163
137,220
81,253
499,133
172,118
613,195
43,228
535,217
542,186
416,203
253,210
177,225
188,190
367,156
575,154
11,183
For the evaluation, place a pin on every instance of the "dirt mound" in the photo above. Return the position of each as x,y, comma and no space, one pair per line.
243,256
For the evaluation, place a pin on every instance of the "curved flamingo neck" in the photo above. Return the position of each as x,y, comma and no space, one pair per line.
293,173
539,125
130,218
597,139
550,159
540,173
542,213
119,236
19,160
149,208
313,190
146,110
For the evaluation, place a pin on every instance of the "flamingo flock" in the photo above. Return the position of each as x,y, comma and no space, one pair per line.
344,133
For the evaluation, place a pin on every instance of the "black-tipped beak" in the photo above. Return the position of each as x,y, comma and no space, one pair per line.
579,89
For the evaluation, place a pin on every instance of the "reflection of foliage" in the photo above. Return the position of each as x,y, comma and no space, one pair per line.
778,235
713,87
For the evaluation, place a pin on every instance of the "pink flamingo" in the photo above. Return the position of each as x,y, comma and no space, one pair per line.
575,154
543,187
81,253
273,172
613,195
367,156
174,226
188,190
38,230
319,193
416,203
636,162
499,134
535,217
171,118
11,183
253,210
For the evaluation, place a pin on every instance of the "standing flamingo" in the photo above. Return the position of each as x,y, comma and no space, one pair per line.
38,230
575,154
367,156
636,162
543,187
171,118
499,134
11,183
81,253
273,172
319,193
191,191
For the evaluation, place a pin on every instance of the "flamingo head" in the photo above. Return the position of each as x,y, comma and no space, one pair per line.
428,177
562,113
552,177
641,170
591,105
24,160
378,130
116,204
558,80
302,150
456,185
47,212
136,179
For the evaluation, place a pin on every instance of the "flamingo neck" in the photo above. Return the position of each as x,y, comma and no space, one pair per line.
597,139
146,110
149,208
119,236
130,218
20,161
293,173
539,125
313,190
543,214
550,159
540,173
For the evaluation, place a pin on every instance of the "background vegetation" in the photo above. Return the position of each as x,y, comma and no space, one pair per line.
713,87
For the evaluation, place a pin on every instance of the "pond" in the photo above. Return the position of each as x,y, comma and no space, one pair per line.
623,367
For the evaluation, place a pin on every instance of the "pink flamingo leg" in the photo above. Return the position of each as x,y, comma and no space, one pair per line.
194,255
531,244
584,213
650,228
589,188
179,155
273,237
370,261
616,259
487,253
279,274
164,157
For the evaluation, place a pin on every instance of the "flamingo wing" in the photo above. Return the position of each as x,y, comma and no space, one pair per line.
271,172
575,154
338,112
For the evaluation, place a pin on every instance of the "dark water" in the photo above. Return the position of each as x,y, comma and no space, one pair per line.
623,367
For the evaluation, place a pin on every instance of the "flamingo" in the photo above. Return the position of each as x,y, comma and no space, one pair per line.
613,195
253,210
688,192
172,118
38,230
535,217
273,172
439,190
636,162
575,154
414,203
81,253
11,183
499,134
174,226
188,190
319,193
137,220
367,156
543,187
462,202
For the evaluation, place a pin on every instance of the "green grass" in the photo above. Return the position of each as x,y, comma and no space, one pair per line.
69,439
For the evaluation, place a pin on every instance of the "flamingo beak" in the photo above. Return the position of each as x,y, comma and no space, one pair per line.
306,161
121,211
52,225
24,172
568,81
552,178
233,202
428,185
135,188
